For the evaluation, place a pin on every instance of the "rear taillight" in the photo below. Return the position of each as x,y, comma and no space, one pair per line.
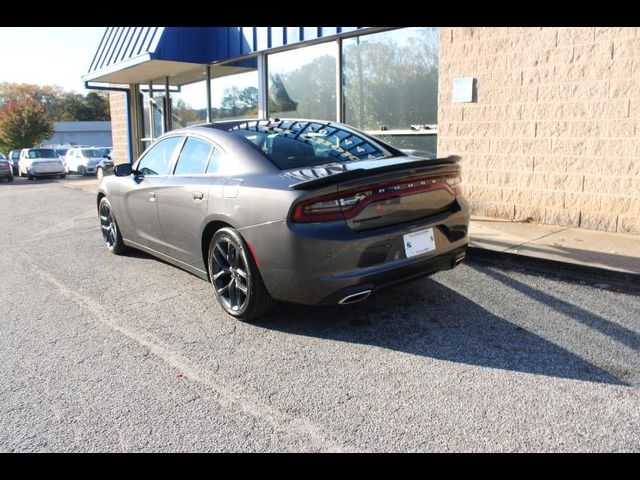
348,204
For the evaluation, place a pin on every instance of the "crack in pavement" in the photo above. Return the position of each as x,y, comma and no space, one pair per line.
227,397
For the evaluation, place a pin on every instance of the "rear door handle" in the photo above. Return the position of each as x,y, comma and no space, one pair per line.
198,195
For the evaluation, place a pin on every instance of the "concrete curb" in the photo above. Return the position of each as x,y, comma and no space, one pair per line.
595,276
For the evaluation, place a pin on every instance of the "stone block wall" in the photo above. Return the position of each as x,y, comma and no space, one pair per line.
118,103
554,134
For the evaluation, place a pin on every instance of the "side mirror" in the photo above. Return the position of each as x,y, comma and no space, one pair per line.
122,170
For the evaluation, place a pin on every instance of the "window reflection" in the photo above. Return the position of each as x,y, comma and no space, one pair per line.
391,79
302,83
292,144
235,96
424,146
189,105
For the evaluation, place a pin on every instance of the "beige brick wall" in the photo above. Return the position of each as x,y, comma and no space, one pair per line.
554,134
118,102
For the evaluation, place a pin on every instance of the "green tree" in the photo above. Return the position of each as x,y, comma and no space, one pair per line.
183,113
279,99
239,103
24,121
61,106
308,91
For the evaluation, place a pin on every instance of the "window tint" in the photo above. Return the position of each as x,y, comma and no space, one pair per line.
214,162
156,160
297,144
193,158
42,153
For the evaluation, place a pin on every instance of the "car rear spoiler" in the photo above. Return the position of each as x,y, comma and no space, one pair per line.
364,172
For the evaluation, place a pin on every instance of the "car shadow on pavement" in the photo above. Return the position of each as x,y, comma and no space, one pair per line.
429,319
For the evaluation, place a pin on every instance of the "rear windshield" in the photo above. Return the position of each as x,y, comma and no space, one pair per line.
42,153
296,144
94,152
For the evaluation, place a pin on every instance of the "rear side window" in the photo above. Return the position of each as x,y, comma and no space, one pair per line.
214,161
193,158
157,159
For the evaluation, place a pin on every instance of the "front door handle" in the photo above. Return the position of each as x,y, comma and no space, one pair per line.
198,195
152,197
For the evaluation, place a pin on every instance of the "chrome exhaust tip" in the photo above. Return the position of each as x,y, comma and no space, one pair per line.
355,297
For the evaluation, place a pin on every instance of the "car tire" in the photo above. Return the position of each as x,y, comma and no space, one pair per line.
231,268
82,171
10,179
109,228
62,175
99,173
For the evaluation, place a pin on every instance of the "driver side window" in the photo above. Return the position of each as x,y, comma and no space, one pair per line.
157,159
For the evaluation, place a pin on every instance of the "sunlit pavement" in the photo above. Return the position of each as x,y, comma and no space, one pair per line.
108,353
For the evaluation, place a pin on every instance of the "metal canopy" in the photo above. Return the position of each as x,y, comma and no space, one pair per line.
140,54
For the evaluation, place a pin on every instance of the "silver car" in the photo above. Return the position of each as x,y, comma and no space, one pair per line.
305,211
84,160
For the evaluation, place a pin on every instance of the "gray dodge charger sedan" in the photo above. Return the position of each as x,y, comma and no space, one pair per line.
305,211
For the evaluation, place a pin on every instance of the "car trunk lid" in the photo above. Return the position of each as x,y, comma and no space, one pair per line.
377,194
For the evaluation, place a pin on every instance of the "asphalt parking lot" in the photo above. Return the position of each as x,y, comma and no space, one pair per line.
107,353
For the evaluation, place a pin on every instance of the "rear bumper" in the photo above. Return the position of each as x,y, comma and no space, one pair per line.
388,275
321,263
6,172
46,170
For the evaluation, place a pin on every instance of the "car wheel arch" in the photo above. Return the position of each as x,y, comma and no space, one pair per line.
207,234
101,195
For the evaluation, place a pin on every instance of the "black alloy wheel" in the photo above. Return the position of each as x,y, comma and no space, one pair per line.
235,277
110,231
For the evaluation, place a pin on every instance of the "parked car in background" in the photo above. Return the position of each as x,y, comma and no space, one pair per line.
61,151
14,156
5,168
105,166
305,211
40,162
84,160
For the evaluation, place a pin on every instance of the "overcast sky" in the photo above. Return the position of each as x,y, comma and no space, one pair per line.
48,55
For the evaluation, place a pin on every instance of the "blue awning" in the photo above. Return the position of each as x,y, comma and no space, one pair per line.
140,54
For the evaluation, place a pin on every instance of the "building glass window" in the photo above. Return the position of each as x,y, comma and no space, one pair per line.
390,83
234,94
302,82
418,145
158,106
189,105
146,125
